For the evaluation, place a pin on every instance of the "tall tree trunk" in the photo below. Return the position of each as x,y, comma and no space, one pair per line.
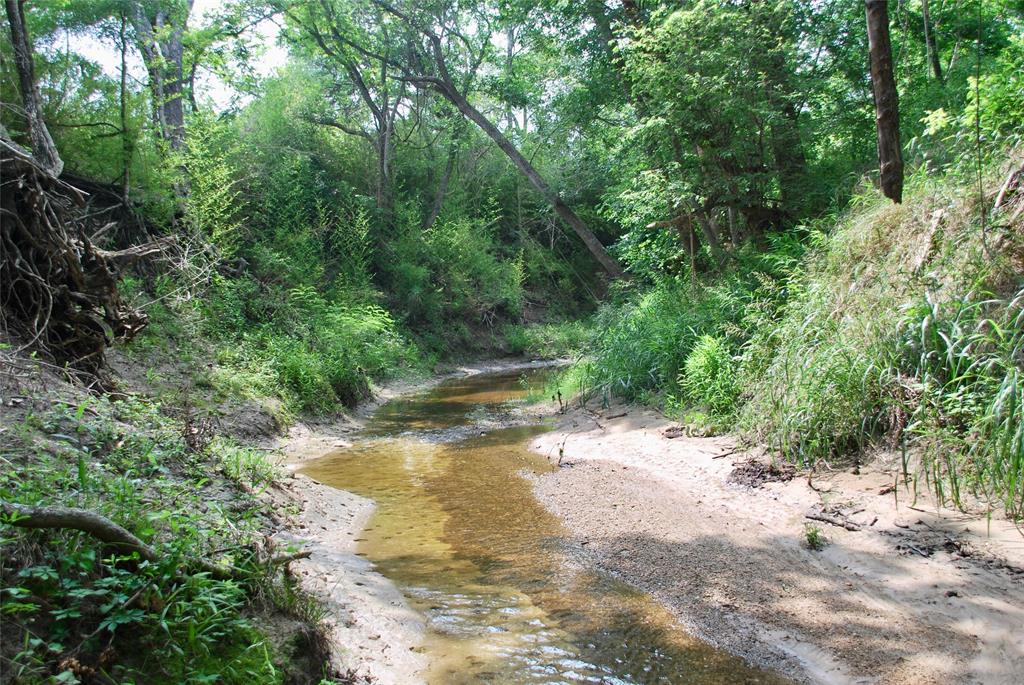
536,180
709,229
126,142
43,149
598,12
160,39
788,152
930,43
883,87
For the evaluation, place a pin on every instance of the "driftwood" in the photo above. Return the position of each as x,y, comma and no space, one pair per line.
114,535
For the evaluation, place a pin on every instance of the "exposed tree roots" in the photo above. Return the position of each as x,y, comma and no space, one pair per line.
58,291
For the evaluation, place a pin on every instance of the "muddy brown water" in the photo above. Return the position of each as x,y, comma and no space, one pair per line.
458,529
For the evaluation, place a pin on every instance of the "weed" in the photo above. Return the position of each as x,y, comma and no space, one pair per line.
814,538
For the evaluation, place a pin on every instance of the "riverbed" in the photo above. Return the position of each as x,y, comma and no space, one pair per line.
494,574
466,536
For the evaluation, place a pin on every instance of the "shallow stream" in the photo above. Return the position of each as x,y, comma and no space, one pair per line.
458,529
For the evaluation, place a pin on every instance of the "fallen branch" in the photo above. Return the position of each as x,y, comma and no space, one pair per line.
1009,187
289,558
812,486
104,530
99,527
834,519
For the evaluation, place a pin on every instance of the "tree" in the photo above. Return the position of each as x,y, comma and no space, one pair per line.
367,76
717,117
160,32
436,54
930,43
43,149
883,86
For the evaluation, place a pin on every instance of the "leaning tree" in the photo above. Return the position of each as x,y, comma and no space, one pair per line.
435,47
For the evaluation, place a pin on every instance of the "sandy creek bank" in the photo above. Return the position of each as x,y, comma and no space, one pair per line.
915,594
911,596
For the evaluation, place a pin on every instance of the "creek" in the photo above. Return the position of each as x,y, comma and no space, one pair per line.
505,592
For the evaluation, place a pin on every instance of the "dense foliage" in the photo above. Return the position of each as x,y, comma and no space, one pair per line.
423,180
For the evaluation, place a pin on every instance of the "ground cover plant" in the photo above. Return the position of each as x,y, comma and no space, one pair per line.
183,610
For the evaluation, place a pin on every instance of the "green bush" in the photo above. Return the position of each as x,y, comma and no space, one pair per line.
642,342
709,376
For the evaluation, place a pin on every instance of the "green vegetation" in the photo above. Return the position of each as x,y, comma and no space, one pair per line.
68,598
814,538
678,197
898,326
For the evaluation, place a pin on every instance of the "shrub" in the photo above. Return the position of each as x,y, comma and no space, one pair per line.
452,282
549,341
709,375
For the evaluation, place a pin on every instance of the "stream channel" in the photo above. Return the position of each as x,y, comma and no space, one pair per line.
505,597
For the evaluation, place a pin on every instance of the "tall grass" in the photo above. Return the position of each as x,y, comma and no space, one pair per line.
643,342
884,342
968,358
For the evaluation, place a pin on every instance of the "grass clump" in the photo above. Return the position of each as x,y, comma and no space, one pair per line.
644,339
814,538
708,378
969,410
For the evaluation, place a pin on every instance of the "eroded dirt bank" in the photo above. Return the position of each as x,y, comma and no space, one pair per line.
901,594
373,633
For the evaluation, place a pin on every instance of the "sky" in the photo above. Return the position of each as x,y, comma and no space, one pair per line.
208,85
